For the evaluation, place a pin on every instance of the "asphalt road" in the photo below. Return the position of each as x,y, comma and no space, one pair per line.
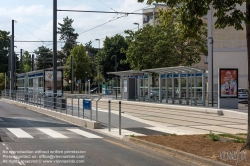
32,137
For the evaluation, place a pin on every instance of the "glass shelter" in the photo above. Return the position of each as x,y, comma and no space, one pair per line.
175,85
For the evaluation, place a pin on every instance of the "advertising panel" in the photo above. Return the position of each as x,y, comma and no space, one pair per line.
48,82
228,83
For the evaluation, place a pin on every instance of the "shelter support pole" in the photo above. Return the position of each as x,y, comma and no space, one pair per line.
143,88
180,100
195,89
187,89
203,88
138,88
160,89
172,88
166,83
121,88
149,88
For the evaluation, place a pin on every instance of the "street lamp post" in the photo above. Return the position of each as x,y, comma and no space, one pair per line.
86,73
136,23
212,69
98,69
115,77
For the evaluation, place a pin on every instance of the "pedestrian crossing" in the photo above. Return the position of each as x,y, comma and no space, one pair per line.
51,133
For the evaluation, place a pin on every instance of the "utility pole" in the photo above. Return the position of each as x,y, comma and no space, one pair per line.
116,77
32,67
72,75
5,83
21,60
98,69
12,58
55,51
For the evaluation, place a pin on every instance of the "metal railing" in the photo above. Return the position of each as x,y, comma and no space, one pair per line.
71,105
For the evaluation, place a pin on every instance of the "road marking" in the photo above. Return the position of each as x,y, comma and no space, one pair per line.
19,133
1,120
84,133
52,133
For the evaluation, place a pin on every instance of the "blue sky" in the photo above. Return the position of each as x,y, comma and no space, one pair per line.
34,19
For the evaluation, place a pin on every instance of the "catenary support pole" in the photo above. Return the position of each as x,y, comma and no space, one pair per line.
55,51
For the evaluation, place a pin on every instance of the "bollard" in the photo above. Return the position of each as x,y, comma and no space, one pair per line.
72,106
66,106
96,110
78,107
120,119
91,112
109,116
83,108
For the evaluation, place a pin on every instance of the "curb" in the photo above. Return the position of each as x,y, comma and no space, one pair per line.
177,153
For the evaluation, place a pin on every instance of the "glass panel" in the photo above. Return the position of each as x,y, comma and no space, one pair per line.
183,87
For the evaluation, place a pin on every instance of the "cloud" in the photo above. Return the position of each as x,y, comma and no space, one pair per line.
40,16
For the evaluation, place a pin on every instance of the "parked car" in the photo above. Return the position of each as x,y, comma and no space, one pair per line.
242,95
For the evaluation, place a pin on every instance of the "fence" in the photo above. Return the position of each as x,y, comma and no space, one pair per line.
71,105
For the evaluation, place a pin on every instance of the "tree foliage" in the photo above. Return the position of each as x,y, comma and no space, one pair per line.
27,62
68,35
4,44
81,63
227,13
2,82
163,46
44,57
105,58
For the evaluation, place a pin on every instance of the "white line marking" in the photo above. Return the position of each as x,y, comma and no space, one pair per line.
84,133
3,144
19,133
7,148
52,133
1,120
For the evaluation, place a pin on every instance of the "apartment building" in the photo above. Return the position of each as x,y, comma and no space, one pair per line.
229,46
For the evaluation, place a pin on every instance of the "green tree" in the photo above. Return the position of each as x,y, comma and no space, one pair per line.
81,63
27,62
105,58
4,44
68,36
2,82
44,57
227,14
163,46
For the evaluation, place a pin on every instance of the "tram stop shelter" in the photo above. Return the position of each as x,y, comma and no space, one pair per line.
176,85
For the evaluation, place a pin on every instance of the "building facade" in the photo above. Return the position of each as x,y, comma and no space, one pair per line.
229,47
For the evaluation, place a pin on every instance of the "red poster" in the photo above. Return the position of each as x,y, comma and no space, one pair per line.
228,83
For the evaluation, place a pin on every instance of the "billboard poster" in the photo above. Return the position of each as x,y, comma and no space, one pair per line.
228,83
48,82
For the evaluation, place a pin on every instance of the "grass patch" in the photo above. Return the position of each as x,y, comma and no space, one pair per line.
233,137
213,137
132,135
164,134
173,134
241,133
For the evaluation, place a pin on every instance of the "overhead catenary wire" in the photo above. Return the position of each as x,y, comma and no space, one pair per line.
29,31
34,27
112,20
107,5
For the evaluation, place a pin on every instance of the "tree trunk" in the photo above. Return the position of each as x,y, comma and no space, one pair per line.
247,144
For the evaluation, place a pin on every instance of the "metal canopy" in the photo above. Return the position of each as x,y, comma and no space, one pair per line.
178,69
127,73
